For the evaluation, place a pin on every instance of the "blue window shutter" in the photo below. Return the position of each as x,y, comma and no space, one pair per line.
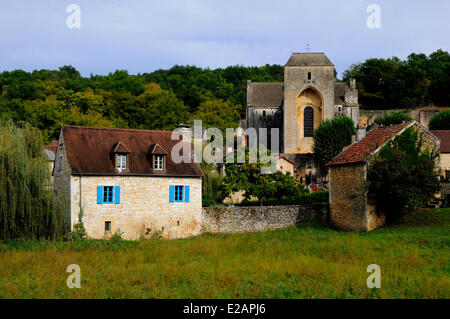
186,193
99,194
172,194
117,195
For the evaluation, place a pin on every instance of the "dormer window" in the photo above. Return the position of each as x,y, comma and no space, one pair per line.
158,164
158,157
121,162
121,159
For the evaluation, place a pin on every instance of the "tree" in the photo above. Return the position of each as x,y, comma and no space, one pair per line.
247,177
402,176
28,208
218,113
329,139
440,121
160,110
393,118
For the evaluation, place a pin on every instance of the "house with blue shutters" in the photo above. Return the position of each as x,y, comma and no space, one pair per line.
122,180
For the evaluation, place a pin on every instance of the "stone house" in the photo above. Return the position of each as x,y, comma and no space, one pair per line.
444,137
308,95
351,207
127,180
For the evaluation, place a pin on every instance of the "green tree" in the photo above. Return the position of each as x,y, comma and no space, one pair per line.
247,177
440,121
28,208
329,139
218,113
402,177
160,110
393,118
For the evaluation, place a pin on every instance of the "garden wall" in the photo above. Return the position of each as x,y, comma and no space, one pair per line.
250,219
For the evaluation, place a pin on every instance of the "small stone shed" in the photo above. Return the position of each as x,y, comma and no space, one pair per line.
350,206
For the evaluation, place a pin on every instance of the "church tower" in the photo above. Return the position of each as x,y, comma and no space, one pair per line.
308,96
308,99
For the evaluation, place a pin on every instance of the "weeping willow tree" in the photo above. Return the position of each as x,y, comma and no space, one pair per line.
28,208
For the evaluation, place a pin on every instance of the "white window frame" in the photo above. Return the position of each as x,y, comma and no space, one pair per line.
159,163
121,162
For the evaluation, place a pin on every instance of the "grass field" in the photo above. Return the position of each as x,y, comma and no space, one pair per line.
307,261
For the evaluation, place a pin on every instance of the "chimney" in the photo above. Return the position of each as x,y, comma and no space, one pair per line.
353,139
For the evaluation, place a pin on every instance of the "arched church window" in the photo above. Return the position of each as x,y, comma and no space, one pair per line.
309,75
308,121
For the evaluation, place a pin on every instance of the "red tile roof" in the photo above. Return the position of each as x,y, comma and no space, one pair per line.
52,147
444,137
90,151
375,138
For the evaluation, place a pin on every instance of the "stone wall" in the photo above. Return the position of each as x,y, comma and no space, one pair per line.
144,204
348,201
249,219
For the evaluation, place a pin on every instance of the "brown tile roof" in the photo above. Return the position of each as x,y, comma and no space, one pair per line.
444,137
356,152
90,151
300,59
265,94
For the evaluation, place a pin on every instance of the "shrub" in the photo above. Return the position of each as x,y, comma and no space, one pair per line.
393,118
78,233
440,121
117,236
402,176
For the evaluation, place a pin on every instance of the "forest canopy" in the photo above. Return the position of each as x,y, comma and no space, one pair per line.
165,98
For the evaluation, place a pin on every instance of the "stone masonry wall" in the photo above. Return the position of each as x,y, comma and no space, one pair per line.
144,203
348,202
250,219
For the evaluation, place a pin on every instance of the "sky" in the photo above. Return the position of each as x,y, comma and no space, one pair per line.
142,36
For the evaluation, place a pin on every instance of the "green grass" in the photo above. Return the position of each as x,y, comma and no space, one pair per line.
307,261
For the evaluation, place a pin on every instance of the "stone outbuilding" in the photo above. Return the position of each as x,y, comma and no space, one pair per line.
127,180
351,207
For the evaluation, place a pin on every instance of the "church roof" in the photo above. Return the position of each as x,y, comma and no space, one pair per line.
265,94
304,59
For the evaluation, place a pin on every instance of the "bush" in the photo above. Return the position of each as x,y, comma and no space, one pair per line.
393,118
79,232
117,236
402,176
440,121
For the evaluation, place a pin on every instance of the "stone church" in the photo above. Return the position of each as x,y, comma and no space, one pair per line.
308,96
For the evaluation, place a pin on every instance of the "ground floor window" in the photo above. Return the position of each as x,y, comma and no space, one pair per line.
107,227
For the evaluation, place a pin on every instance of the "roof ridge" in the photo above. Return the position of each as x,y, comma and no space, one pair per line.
114,128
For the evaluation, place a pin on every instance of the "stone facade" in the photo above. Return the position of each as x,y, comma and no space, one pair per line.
250,219
144,205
